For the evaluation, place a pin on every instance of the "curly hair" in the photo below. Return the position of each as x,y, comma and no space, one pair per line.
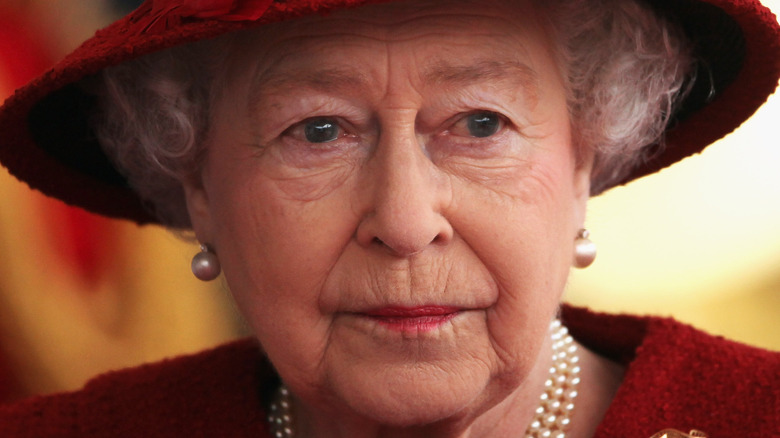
625,68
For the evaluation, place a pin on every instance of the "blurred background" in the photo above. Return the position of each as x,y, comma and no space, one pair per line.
80,294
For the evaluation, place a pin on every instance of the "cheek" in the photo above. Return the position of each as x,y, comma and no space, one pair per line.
295,181
276,253
281,245
274,226
523,234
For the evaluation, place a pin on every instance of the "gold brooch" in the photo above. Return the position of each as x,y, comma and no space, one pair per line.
672,433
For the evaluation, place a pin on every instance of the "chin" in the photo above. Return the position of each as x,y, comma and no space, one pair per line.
413,413
418,397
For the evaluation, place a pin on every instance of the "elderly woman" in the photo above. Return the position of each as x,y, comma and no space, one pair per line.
395,194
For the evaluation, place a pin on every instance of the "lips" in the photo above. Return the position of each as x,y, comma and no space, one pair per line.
413,319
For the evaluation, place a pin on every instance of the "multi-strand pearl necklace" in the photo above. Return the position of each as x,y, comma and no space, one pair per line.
279,415
552,417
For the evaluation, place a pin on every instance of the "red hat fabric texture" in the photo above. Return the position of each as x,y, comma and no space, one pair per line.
45,139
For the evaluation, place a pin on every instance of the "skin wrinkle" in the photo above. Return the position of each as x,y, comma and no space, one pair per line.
514,116
502,356
526,74
348,19
340,80
563,30
310,262
518,75
485,173
313,191
502,353
336,80
507,221
333,80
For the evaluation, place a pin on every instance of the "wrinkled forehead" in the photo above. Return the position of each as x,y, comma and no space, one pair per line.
402,19
496,40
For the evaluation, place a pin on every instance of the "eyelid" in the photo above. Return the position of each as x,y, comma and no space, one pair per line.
279,114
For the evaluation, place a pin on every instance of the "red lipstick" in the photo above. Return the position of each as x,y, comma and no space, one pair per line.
417,319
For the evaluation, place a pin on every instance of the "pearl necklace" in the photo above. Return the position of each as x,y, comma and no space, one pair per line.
551,419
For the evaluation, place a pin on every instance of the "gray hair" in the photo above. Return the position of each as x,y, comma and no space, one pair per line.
625,70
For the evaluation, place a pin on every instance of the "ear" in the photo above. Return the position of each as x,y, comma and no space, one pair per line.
199,208
581,181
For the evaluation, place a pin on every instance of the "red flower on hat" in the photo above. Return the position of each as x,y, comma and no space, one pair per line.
165,14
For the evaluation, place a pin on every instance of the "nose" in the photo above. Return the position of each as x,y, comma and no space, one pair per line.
404,198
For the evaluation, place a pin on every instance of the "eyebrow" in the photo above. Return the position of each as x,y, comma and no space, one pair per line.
338,79
330,79
513,73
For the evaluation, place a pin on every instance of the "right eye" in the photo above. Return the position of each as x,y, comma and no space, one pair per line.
320,130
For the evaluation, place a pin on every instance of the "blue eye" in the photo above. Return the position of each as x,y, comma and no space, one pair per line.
321,130
483,124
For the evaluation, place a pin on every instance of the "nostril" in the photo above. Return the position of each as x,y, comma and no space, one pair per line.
407,248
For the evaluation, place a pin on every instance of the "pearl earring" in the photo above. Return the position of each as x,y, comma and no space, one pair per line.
584,250
205,264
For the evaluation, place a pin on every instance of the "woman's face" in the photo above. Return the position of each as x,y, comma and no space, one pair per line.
393,194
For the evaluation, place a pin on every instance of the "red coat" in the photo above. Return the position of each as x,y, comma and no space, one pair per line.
677,377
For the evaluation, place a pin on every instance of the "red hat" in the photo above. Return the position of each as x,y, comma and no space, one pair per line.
45,139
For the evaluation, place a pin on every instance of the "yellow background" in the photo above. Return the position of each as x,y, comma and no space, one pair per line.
699,241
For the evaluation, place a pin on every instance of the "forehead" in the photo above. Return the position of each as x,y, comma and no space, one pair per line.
396,21
436,40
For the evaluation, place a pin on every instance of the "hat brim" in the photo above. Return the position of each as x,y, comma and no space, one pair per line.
46,140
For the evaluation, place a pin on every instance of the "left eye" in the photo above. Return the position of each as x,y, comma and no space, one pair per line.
321,130
482,124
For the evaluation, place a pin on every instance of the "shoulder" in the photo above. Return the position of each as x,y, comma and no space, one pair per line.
219,390
679,377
